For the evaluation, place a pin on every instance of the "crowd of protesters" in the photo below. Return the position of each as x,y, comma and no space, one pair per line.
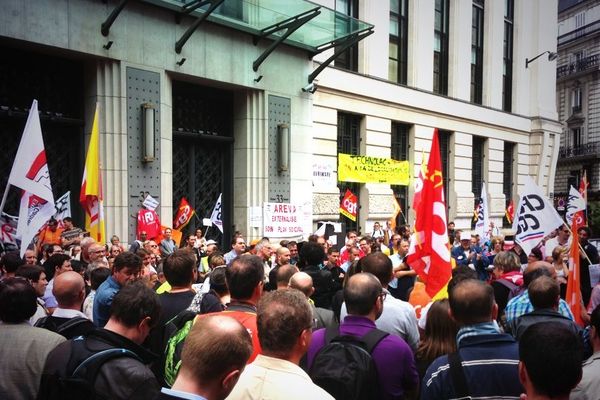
265,320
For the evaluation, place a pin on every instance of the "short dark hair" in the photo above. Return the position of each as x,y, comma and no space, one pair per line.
243,275
311,253
282,315
11,261
332,249
361,292
459,274
18,300
379,265
68,219
552,354
471,302
98,276
544,292
127,259
586,229
215,346
133,303
218,281
54,261
178,268
30,272
595,319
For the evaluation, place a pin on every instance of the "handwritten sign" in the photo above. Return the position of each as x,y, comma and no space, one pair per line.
283,219
368,169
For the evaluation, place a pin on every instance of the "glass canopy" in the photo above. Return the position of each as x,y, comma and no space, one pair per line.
254,16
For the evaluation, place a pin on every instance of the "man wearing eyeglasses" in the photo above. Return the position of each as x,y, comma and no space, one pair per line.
563,239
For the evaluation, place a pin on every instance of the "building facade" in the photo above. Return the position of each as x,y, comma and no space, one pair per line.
215,111
577,95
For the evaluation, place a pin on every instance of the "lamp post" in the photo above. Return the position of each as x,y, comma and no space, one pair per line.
551,57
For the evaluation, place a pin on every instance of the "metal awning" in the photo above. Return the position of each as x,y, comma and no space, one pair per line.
298,23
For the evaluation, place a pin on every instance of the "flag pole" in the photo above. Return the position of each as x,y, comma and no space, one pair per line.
4,197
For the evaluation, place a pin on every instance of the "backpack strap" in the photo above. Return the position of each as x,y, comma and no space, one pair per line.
372,339
331,332
457,373
90,367
71,323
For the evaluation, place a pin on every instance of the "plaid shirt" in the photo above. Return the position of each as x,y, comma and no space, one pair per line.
521,304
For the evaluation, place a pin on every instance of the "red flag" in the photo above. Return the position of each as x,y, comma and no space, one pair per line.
573,296
429,255
349,205
510,212
581,215
185,212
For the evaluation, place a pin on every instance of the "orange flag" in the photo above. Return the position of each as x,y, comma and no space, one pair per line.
429,255
573,296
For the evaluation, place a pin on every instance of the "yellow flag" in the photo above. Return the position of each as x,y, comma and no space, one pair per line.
91,187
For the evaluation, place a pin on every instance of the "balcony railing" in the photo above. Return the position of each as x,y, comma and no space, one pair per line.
579,32
587,63
591,149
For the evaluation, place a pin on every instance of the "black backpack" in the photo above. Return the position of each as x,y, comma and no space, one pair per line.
49,323
344,366
82,369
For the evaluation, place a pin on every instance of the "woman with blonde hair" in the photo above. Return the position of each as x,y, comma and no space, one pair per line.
439,338
559,255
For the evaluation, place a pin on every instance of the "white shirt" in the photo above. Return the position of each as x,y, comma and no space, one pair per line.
273,379
67,313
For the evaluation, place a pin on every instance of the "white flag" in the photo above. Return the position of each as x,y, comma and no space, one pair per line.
150,203
30,169
30,173
63,207
216,214
575,204
482,227
8,230
536,217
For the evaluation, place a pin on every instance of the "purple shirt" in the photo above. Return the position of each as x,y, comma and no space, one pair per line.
393,358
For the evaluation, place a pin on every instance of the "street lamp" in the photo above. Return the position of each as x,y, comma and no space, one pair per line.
551,57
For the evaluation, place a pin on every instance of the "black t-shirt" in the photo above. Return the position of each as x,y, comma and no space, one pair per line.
173,303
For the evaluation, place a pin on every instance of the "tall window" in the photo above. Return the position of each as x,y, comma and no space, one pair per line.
444,139
349,58
440,47
507,176
348,142
577,136
397,66
508,55
576,100
399,152
477,170
477,52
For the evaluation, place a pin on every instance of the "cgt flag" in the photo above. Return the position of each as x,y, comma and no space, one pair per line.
429,255
216,217
91,194
536,217
349,206
575,207
30,173
185,212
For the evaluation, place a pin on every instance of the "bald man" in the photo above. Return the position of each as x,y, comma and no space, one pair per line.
215,337
322,317
67,320
521,304
283,275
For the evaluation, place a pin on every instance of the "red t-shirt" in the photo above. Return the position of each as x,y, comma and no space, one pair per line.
149,222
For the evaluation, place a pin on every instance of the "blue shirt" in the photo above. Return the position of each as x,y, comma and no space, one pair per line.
103,300
521,305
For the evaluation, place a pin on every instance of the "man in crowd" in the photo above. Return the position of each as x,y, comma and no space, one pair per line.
30,257
67,319
562,239
126,268
404,276
311,262
9,263
23,348
588,256
138,243
471,255
550,357
322,317
487,359
238,247
70,235
134,311
214,355
521,304
398,317
293,247
284,273
589,387
54,266
282,257
180,270
544,294
49,235
394,361
37,278
284,329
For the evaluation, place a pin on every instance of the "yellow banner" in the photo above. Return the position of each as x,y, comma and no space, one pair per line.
367,169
